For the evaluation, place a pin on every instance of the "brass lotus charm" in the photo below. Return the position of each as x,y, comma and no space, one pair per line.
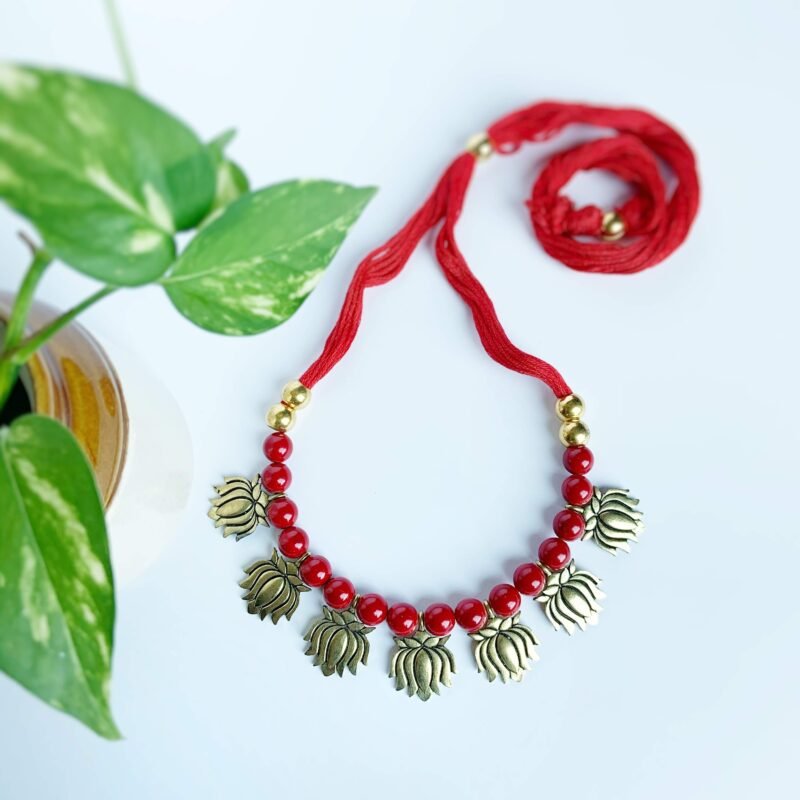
504,647
338,639
420,663
570,598
273,587
612,519
240,505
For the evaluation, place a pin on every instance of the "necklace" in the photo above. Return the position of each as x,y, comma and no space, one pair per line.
639,234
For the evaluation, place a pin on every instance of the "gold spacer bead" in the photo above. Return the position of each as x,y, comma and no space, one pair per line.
612,228
569,407
480,145
295,395
280,417
573,433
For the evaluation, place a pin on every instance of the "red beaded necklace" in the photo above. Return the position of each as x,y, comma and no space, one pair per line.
638,234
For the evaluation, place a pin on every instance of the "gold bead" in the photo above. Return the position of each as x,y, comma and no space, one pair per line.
572,433
612,227
569,407
280,417
480,145
295,395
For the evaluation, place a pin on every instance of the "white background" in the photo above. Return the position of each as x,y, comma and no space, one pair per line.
425,470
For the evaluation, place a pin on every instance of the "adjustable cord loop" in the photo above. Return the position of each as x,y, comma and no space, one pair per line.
649,225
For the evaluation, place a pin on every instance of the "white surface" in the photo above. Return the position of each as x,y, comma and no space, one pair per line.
688,686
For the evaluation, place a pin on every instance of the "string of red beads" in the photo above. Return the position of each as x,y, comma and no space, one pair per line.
372,609
439,619
282,512
529,579
276,477
471,614
293,542
504,600
315,571
339,593
278,447
403,619
568,524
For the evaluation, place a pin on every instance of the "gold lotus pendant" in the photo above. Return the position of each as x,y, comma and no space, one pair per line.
273,587
421,664
239,507
504,647
338,640
612,519
570,597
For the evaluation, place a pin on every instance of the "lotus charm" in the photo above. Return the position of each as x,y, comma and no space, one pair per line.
338,639
504,646
570,598
239,507
420,663
273,587
612,519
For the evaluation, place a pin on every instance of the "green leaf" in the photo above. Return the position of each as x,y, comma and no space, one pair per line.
105,176
56,585
220,142
232,182
252,267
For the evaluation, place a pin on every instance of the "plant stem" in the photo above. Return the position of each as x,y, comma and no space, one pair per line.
22,304
123,53
25,349
15,328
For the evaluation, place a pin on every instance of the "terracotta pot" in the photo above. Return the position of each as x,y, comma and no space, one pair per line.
72,379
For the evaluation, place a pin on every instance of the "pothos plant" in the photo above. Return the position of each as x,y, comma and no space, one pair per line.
108,179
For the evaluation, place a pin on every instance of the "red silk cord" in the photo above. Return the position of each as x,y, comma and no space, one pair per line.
655,225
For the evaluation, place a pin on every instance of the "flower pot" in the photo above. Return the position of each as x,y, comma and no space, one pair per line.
72,379
125,437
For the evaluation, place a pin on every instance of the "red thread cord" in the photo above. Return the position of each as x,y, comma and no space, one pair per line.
655,224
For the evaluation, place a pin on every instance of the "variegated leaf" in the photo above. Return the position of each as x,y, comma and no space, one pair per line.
252,267
106,176
56,584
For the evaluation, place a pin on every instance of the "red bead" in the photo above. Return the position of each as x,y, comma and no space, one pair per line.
282,512
276,477
471,614
403,619
439,619
339,593
505,600
529,579
372,609
554,553
578,460
569,525
315,571
293,542
577,490
277,447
